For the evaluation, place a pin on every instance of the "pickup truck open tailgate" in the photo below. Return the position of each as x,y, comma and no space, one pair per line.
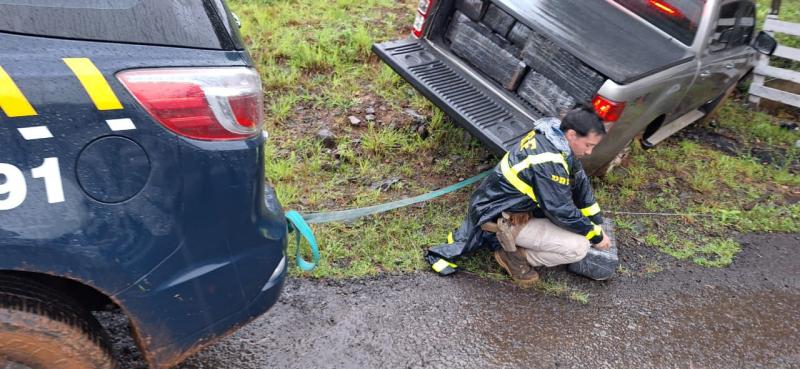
465,99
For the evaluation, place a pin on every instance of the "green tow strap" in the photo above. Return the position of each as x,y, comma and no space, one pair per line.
300,223
296,223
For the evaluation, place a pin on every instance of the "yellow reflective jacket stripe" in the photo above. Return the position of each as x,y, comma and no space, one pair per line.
591,210
512,173
545,157
512,177
442,264
596,231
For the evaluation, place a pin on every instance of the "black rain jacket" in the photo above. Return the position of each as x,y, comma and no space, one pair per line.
542,177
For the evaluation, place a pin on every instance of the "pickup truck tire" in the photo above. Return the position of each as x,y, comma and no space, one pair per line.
41,328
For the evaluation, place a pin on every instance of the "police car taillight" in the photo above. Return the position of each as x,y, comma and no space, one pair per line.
200,103
423,10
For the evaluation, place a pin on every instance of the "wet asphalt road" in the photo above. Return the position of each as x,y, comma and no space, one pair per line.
745,316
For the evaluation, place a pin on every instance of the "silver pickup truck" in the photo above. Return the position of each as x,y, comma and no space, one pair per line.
649,67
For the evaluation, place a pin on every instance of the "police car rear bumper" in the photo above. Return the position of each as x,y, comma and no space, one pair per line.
274,230
172,355
167,337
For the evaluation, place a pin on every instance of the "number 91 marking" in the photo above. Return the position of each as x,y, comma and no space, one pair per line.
16,188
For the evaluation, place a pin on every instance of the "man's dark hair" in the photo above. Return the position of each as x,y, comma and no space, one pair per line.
583,120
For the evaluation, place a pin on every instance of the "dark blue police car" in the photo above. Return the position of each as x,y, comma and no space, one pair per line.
131,178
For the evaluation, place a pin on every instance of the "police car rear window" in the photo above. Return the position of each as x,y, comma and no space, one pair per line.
158,22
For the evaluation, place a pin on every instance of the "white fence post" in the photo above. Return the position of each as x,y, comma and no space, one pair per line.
762,70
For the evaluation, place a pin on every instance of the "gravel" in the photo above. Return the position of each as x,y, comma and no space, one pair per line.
744,316
327,137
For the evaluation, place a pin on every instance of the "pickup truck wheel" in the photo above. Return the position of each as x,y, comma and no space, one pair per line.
42,329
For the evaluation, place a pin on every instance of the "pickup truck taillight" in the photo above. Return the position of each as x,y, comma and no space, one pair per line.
213,104
607,110
665,8
423,10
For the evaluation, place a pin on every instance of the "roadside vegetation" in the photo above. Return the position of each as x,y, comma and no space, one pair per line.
346,131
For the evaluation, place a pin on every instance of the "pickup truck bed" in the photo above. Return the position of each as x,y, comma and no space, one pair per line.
601,35
496,66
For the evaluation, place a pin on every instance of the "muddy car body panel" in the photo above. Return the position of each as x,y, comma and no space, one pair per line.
531,59
182,234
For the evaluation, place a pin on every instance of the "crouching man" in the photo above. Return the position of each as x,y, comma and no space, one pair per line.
538,203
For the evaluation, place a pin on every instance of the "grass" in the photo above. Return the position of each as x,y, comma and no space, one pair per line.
560,288
316,66
652,267
733,193
790,12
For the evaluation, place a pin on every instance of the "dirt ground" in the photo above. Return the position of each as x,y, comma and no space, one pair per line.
744,316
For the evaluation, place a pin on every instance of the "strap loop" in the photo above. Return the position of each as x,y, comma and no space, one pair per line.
299,225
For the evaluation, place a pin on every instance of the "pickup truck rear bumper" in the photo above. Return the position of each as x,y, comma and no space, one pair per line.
463,97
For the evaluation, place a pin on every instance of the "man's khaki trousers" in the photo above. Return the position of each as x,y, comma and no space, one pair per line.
547,244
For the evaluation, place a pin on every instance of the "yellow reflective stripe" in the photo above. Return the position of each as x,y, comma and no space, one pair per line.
512,173
528,142
596,231
94,83
441,265
513,177
450,238
12,101
591,211
545,157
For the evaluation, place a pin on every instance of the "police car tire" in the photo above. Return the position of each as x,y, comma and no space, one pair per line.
41,328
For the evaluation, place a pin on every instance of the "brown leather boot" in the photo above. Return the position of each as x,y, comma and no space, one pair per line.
516,265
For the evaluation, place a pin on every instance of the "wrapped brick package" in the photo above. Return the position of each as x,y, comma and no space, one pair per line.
599,265
458,18
545,95
472,8
475,43
561,67
519,34
498,20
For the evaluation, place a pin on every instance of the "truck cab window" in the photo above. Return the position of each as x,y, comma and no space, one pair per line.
735,26
747,22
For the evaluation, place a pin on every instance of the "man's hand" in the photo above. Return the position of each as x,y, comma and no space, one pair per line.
604,245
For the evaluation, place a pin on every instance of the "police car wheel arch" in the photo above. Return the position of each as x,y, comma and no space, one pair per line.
42,327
